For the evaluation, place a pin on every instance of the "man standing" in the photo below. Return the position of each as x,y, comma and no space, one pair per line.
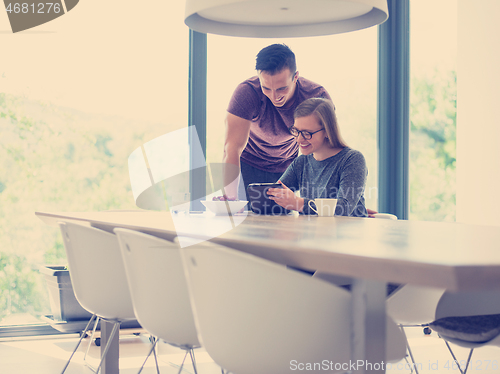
260,112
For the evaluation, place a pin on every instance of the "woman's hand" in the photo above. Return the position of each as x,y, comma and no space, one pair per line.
286,198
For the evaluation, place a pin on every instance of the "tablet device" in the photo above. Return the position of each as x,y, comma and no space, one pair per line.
259,200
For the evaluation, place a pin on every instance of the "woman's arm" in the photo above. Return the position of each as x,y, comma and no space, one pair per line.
352,184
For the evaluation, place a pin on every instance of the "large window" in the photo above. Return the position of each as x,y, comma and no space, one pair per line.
345,64
77,96
433,50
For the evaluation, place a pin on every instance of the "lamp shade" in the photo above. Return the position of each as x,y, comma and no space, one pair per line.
283,18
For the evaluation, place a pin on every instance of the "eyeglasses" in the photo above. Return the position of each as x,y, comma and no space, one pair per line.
305,134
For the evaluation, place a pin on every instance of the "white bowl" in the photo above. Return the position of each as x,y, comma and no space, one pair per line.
224,207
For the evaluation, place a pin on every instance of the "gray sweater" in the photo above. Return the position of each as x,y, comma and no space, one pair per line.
341,177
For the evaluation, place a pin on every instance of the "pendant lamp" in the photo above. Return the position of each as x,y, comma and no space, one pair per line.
283,18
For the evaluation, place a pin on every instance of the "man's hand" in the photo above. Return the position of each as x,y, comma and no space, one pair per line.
371,212
286,198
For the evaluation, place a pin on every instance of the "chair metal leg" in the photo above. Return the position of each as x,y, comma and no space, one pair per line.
155,354
79,341
90,343
108,344
468,360
184,359
193,360
414,364
454,358
155,340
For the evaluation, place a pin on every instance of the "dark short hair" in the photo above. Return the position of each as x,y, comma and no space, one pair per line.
324,110
274,58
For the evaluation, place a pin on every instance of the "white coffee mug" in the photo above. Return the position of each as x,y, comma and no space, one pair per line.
324,207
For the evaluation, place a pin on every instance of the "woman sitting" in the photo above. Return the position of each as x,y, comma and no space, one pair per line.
327,167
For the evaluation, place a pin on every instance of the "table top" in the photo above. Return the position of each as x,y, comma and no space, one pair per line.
454,256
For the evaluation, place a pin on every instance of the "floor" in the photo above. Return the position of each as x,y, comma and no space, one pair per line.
49,354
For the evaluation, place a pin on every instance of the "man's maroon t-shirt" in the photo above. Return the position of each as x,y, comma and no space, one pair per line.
270,146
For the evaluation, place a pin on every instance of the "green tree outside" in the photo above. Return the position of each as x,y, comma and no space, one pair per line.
433,147
55,159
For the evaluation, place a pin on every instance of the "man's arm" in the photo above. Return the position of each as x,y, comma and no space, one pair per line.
236,138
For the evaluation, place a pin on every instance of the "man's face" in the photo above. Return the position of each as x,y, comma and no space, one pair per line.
280,87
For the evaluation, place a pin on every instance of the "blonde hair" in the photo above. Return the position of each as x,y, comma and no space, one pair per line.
324,110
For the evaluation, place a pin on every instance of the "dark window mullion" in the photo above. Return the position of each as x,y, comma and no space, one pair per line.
393,110
197,111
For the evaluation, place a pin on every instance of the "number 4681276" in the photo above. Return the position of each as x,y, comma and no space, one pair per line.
33,8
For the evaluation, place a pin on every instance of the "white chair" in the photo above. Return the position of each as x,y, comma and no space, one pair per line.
98,277
159,291
468,319
413,306
255,316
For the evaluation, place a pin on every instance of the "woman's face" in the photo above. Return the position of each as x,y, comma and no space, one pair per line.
318,141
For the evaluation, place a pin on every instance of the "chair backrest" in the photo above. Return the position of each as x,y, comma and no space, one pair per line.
158,287
257,316
412,304
97,271
461,304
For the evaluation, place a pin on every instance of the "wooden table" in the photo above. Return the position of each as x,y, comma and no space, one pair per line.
454,256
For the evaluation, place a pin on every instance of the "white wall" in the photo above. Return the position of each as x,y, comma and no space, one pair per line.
478,112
